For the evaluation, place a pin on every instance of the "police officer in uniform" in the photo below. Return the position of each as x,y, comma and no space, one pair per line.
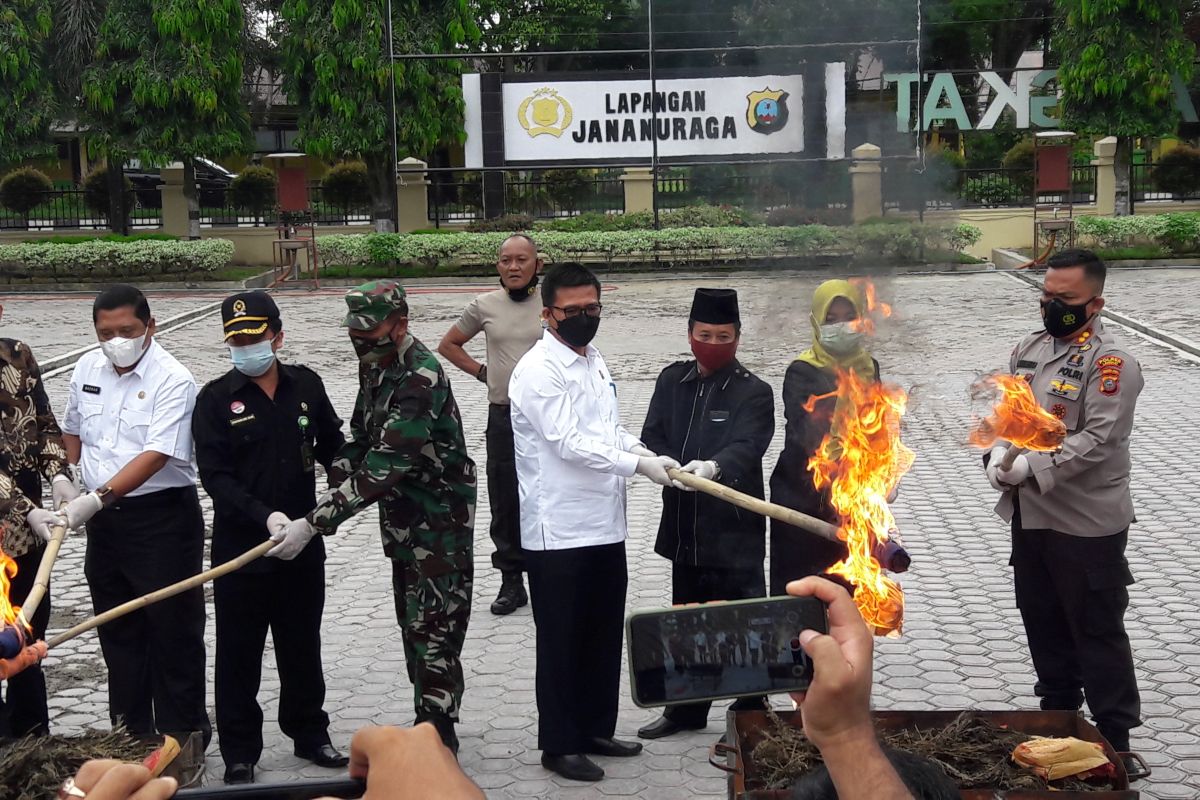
260,429
716,418
31,448
407,452
1070,510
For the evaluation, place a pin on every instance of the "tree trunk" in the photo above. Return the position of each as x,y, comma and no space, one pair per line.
118,198
192,195
1123,169
381,178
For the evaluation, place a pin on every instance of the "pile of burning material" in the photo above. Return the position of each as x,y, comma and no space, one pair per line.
972,751
37,766
1016,418
18,651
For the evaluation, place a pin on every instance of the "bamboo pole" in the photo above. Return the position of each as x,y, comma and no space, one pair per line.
742,500
41,583
162,594
1010,455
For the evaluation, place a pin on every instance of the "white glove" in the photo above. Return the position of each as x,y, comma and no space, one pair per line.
655,468
81,509
62,490
701,469
1018,474
41,521
292,539
994,464
276,523
641,451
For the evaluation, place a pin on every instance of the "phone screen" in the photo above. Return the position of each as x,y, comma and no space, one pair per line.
717,650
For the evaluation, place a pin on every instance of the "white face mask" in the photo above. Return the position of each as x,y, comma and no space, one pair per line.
840,339
125,352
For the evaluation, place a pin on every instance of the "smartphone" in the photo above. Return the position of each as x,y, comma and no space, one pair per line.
711,651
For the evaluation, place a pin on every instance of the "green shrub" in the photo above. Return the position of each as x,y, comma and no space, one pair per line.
1178,171
22,190
95,191
111,237
598,221
254,189
346,185
507,223
100,260
1177,232
1019,159
880,242
708,217
791,216
566,187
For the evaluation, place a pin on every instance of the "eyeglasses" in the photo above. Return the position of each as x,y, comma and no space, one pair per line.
591,309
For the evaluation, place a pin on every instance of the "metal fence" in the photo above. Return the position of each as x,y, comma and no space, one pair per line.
1170,181
815,186
907,187
552,194
219,209
67,209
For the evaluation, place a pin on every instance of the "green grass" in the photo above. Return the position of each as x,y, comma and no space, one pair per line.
231,274
1138,252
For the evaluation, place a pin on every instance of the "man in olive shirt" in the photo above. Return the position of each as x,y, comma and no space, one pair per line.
511,324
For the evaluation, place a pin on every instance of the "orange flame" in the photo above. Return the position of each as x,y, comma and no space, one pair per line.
875,308
861,460
1016,416
9,614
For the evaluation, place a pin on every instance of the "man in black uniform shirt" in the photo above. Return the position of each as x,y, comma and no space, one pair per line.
716,419
260,429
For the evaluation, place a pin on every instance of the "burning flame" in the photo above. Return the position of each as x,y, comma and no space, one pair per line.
875,308
1016,416
9,614
861,460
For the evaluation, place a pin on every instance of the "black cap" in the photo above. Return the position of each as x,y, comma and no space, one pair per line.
715,307
248,312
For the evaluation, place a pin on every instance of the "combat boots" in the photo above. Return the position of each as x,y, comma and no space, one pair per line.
512,594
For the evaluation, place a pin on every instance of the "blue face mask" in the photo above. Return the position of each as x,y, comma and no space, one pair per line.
253,359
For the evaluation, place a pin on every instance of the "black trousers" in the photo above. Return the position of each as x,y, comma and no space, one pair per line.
1071,591
796,554
699,585
503,493
579,610
155,656
288,600
23,710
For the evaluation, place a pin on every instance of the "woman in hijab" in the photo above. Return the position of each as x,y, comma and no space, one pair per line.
795,553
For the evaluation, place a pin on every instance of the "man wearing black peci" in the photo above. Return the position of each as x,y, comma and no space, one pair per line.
716,418
260,429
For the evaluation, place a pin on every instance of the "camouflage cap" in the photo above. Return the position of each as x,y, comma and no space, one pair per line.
370,304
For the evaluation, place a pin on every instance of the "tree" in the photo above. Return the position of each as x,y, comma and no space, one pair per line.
27,109
1117,59
336,69
166,85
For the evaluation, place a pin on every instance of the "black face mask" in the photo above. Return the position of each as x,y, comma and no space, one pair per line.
524,293
578,330
1063,319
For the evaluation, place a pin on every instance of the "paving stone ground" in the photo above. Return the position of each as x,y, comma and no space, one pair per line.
963,646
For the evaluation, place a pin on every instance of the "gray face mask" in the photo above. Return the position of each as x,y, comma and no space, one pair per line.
839,339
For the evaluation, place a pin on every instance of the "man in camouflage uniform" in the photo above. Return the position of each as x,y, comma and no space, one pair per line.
31,448
407,451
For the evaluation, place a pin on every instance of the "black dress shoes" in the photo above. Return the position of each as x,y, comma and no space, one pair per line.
239,773
666,727
613,748
323,756
573,767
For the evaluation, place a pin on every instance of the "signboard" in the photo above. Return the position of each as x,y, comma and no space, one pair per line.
602,121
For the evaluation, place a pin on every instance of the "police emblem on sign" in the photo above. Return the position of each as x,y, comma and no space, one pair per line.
767,110
544,111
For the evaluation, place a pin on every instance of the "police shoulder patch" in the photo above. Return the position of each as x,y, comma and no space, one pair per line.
1113,362
1058,410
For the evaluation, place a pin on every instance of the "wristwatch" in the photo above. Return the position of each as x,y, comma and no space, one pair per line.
481,376
105,493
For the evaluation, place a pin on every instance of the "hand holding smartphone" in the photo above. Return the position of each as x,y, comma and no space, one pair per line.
712,651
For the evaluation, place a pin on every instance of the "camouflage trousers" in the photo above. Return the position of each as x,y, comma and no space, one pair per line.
432,573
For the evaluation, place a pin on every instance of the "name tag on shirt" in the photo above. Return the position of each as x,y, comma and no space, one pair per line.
89,389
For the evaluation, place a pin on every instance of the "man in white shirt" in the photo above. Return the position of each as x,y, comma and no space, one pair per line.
511,322
573,458
128,426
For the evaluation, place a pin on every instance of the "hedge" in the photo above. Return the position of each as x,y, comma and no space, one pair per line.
885,242
99,260
1178,232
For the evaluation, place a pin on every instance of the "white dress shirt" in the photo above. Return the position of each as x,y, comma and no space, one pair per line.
118,417
571,451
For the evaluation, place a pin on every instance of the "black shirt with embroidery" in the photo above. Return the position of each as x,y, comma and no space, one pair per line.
257,455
